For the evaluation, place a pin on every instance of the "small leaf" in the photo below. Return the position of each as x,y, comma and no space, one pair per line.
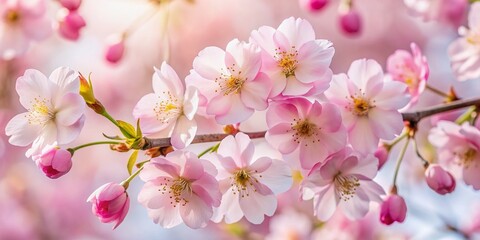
139,130
112,137
127,129
131,161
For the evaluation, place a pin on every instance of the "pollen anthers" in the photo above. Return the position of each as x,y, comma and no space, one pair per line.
177,189
473,38
232,83
466,158
287,60
304,129
243,182
346,186
12,16
41,111
360,105
168,109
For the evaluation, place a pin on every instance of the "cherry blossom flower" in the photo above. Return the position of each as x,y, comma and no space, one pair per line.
315,129
54,161
344,180
464,52
447,11
170,110
179,188
248,184
70,24
369,104
230,82
20,22
393,209
290,224
458,146
297,62
110,203
412,69
439,180
55,110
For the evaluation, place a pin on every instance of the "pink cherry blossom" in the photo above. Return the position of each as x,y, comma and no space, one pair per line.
54,161
369,104
344,180
170,110
410,68
297,62
393,209
70,25
110,203
458,146
464,52
381,154
439,180
290,225
350,22
230,82
55,110
22,21
179,188
447,11
248,184
314,129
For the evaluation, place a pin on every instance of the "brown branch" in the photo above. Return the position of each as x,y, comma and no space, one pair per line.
412,117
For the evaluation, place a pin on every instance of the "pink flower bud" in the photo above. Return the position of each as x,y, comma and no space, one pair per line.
115,49
53,161
69,27
71,5
393,209
350,22
381,154
439,180
110,203
313,5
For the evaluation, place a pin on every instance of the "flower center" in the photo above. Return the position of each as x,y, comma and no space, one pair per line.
177,189
359,105
473,38
166,110
229,84
12,16
41,112
467,158
346,186
287,61
303,129
242,182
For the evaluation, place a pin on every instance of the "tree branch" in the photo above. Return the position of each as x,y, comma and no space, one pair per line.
413,117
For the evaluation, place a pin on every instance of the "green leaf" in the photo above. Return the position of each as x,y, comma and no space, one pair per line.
131,161
127,129
112,137
139,131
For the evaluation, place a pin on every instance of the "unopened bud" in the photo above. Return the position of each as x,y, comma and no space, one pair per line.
439,180
313,5
381,154
115,49
70,25
350,22
121,147
393,209
71,5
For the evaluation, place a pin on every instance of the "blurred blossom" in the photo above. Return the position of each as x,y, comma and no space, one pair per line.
53,161
55,110
70,24
350,22
381,154
110,203
439,180
458,147
411,69
71,5
447,11
464,52
313,5
393,209
115,48
22,21
369,104
290,224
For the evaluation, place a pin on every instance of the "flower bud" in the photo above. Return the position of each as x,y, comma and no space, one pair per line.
70,25
115,49
86,90
313,5
110,203
439,180
350,22
71,5
393,209
381,154
53,161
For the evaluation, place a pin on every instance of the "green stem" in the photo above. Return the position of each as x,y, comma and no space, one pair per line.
105,114
72,150
399,162
127,181
140,164
210,149
466,116
398,139
438,92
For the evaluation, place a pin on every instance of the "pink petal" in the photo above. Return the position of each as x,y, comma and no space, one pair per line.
72,107
385,124
280,137
183,132
264,38
278,176
220,104
237,113
67,81
246,148
33,84
296,88
367,75
196,213
260,165
254,93
209,63
66,134
281,113
297,31
362,136
20,131
392,96
243,57
314,64
325,203
256,205
193,169
229,208
167,80
190,104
